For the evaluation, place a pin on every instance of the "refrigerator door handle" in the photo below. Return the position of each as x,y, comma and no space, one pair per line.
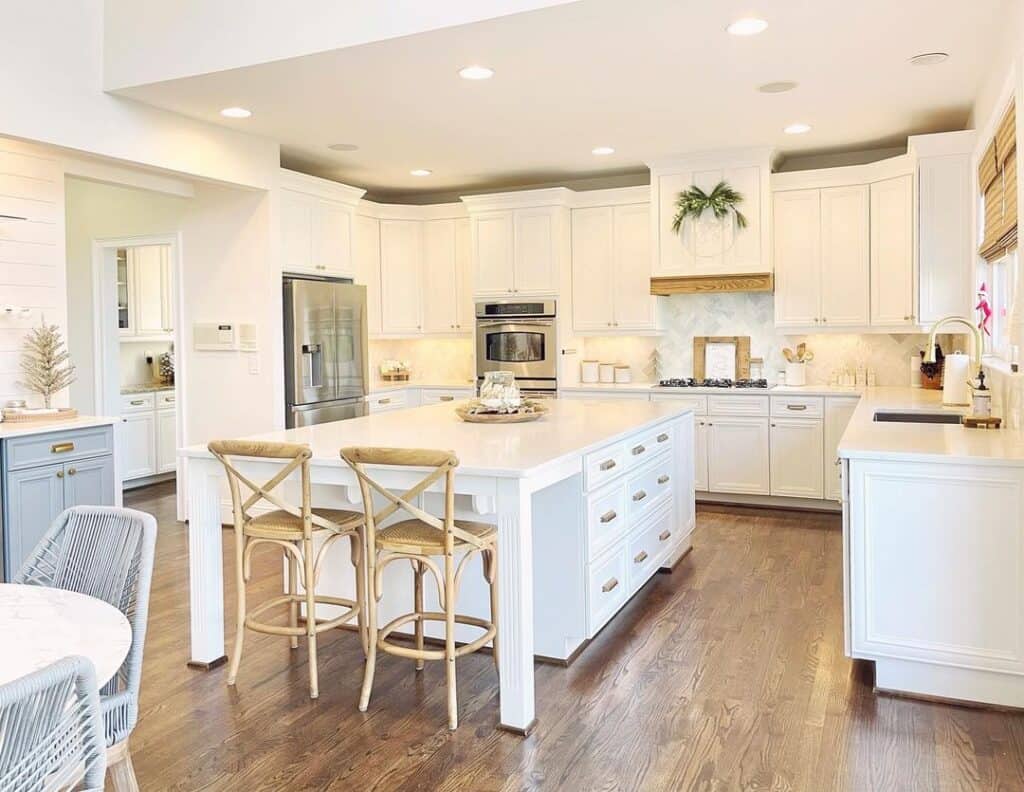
312,366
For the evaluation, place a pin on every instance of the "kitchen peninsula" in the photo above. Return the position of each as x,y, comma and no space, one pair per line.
589,502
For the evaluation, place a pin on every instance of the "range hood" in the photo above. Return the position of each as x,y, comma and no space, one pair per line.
712,284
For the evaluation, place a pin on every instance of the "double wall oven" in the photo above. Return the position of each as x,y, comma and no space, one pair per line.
519,336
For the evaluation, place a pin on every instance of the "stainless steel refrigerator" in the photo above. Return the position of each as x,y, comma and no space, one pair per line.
325,351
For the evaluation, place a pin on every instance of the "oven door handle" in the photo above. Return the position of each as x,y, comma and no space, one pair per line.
517,323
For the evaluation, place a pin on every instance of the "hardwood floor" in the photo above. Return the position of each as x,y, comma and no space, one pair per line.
728,674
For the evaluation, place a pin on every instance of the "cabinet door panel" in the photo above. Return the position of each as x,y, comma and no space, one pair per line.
945,237
634,305
34,499
796,458
366,250
845,256
400,276
465,311
138,445
492,253
797,224
535,247
166,442
592,266
743,246
837,416
89,482
738,455
147,266
296,232
892,251
332,238
700,455
440,298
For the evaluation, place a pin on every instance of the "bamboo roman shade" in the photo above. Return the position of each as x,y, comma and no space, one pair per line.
997,181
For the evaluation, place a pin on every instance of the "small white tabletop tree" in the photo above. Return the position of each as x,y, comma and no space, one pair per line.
45,362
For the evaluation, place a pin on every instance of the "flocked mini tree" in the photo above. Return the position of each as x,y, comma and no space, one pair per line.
45,363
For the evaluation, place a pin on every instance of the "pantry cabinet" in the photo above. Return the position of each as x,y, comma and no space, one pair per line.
401,260
892,252
447,294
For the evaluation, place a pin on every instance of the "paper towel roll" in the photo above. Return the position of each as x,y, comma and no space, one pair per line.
955,373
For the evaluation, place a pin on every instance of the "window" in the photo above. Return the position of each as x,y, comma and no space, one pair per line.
995,287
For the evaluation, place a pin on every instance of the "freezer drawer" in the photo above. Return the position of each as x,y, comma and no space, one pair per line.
325,412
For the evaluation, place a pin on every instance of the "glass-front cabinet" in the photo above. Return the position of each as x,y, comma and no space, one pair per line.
144,280
123,312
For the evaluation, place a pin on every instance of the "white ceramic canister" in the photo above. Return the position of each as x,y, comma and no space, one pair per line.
607,373
589,371
623,375
796,374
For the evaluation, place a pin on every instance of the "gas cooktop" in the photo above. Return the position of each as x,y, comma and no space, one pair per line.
690,382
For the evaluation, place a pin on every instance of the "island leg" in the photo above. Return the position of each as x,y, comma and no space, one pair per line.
205,564
515,604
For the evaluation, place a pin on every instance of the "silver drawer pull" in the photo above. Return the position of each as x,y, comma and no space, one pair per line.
640,557
796,406
610,585
137,402
168,398
62,448
639,496
383,401
608,516
608,464
662,437
662,479
447,398
664,535
638,450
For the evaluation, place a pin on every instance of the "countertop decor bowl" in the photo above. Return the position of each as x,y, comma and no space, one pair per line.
475,412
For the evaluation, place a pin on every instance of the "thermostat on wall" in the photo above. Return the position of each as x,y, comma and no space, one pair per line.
247,338
215,336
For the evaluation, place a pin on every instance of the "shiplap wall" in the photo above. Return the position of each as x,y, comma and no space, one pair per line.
32,274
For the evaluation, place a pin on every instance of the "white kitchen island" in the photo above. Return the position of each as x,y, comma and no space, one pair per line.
589,501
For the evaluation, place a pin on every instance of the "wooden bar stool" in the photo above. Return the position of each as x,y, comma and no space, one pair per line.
290,528
420,540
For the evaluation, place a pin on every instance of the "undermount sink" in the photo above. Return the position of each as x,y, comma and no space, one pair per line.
915,416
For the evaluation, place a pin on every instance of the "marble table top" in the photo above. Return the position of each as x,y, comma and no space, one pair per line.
41,625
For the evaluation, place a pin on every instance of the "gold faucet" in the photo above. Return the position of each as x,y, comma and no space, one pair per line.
977,345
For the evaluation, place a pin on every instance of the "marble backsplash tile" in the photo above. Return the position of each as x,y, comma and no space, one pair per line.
441,359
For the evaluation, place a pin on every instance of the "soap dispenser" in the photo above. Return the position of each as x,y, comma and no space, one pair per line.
981,399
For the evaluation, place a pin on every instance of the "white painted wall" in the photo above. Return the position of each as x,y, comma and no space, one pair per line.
134,368
189,37
51,91
97,211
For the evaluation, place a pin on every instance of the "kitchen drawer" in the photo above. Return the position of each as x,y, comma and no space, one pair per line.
648,487
798,406
165,400
604,465
738,405
647,445
388,400
607,518
698,403
45,449
137,402
648,546
607,586
438,395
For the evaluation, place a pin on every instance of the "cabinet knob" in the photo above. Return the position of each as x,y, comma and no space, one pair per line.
906,318
824,319
72,471
60,474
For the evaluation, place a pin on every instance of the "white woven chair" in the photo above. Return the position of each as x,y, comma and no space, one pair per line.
107,553
51,730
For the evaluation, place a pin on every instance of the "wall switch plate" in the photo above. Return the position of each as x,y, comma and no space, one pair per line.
254,364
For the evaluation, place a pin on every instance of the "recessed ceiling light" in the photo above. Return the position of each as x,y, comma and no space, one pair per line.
235,112
747,26
797,129
777,87
343,147
602,151
420,172
929,58
476,72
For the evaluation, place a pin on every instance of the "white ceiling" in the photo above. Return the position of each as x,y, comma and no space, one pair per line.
649,77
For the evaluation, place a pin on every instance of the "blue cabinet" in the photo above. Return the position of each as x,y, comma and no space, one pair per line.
45,473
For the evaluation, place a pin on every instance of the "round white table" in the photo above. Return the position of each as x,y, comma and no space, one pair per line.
40,625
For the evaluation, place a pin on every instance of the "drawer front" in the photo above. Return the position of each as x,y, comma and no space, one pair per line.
391,400
798,406
738,405
647,549
648,487
604,465
165,400
604,395
607,587
607,517
137,402
439,395
648,445
698,403
53,447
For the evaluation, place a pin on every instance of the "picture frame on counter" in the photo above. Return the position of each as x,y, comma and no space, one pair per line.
725,357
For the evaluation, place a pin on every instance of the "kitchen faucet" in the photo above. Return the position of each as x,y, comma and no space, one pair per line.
929,355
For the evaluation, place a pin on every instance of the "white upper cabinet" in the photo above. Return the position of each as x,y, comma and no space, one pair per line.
332,239
317,220
845,256
296,232
492,246
401,261
447,293
366,257
536,251
465,308
710,246
611,269
797,241
892,251
148,283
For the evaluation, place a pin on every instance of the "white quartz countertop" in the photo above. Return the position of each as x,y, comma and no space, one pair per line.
20,429
504,450
774,390
379,386
152,387
866,439
621,387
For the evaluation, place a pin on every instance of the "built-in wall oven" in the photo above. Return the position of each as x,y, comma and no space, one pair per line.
519,336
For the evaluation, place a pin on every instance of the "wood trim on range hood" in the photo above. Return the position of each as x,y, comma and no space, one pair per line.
712,284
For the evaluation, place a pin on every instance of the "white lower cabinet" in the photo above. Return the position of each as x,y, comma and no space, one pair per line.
796,457
138,449
441,395
148,437
700,453
738,457
166,443
838,410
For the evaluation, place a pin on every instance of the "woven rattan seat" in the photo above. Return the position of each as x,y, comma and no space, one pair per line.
415,536
279,524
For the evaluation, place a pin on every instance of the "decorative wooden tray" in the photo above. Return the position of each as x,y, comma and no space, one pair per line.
20,416
399,377
464,412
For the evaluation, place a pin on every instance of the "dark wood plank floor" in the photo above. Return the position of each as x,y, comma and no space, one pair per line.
728,674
